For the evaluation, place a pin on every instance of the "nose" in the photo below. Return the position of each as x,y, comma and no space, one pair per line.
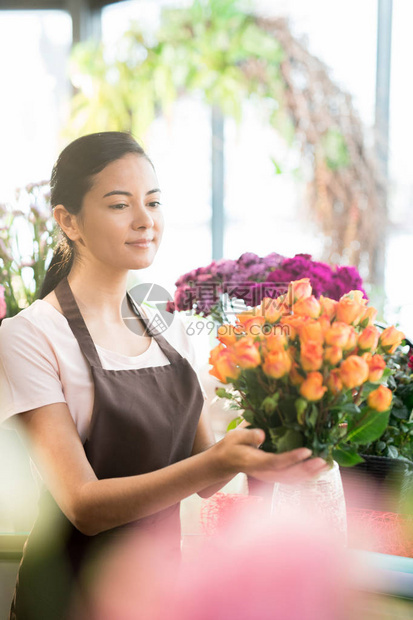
142,217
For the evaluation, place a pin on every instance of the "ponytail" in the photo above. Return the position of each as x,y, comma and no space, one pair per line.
60,266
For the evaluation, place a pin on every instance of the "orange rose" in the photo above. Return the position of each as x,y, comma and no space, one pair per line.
368,317
350,310
245,353
293,323
334,382
369,338
275,342
307,307
338,334
299,289
253,326
311,331
352,340
380,399
328,306
226,334
312,387
270,309
277,364
390,339
354,371
333,355
223,365
311,355
296,378
376,366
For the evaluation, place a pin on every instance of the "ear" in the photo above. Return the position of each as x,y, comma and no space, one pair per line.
67,222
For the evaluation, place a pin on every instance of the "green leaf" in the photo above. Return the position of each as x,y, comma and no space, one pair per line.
222,393
234,423
290,440
346,456
392,452
269,404
300,406
248,416
312,418
370,426
276,166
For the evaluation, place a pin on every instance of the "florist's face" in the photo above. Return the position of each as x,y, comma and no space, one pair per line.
121,222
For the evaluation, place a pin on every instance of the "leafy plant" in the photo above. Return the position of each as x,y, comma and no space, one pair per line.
397,440
26,239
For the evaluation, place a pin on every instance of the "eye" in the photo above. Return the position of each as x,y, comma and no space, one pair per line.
155,204
119,206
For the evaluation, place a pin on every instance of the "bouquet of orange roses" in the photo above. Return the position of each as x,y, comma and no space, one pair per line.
309,372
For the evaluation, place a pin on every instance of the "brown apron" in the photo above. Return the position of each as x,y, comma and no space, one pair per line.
142,420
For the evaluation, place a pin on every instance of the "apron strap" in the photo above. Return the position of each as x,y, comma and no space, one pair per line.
168,350
77,324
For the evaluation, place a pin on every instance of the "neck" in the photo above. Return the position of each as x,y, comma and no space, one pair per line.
99,293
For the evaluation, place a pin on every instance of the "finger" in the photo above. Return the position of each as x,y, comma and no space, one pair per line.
303,471
288,459
253,437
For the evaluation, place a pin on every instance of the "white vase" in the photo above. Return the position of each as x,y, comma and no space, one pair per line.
323,496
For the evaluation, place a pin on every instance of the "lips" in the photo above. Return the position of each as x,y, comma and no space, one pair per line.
140,243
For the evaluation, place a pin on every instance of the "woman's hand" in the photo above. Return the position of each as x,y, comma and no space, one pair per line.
238,451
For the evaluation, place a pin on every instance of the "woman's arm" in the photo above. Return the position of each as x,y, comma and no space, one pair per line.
204,439
94,505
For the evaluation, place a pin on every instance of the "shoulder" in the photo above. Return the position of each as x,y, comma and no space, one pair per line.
34,326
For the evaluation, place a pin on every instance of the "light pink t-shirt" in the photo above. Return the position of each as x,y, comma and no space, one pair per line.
41,363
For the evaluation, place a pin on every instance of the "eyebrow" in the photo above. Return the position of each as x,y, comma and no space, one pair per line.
120,192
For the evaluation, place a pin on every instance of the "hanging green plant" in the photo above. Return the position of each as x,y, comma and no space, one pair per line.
216,51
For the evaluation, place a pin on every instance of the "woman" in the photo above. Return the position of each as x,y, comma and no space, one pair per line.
114,417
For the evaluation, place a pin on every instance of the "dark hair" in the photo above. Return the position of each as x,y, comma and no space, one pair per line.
72,178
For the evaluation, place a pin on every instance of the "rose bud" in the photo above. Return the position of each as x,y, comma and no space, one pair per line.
338,334
312,330
309,306
275,342
368,317
368,339
311,355
333,355
334,382
277,364
253,326
354,371
226,334
349,311
376,367
224,367
270,309
299,289
293,323
245,353
352,340
296,378
390,339
328,306
312,387
380,399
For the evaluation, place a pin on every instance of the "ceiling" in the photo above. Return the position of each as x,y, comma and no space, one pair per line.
51,4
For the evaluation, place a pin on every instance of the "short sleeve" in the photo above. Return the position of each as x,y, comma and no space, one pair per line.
29,373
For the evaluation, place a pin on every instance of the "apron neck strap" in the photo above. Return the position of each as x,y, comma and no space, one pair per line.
77,324
168,350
